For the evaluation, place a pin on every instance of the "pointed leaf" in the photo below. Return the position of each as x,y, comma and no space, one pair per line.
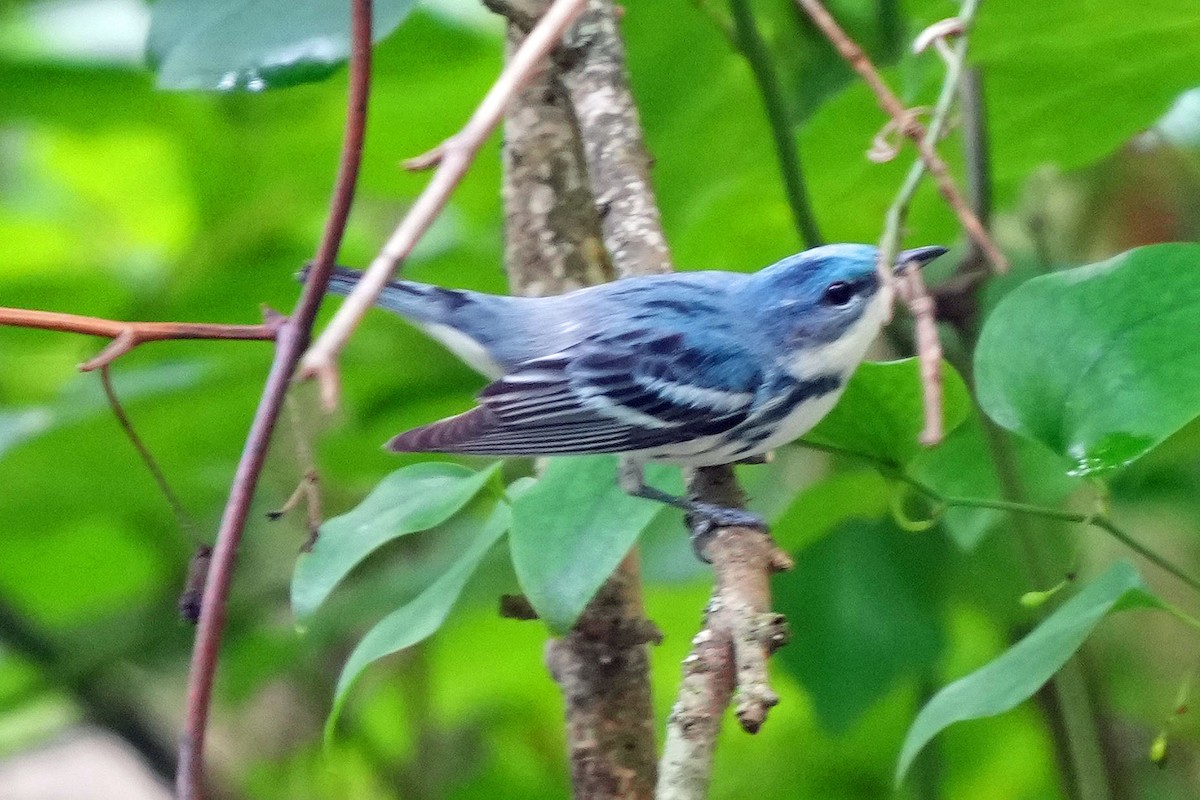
420,618
882,411
571,530
1022,669
1099,363
412,499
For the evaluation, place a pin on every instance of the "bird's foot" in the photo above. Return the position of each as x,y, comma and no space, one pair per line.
705,519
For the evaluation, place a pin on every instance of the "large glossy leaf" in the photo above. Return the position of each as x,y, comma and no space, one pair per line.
1050,95
412,499
255,44
571,530
863,605
1099,363
421,617
1026,666
882,411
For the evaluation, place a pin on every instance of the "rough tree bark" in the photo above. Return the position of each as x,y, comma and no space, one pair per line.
596,664
553,244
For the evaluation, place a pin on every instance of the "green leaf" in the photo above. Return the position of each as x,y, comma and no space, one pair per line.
572,529
83,398
962,466
412,499
882,411
1026,666
863,603
1099,363
828,503
1049,96
420,618
255,44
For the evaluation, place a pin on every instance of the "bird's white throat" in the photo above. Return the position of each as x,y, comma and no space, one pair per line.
842,355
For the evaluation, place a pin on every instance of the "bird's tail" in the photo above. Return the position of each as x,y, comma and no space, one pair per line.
418,302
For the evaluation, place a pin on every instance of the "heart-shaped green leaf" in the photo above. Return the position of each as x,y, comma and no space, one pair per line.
571,530
1022,669
412,499
1099,363
420,618
882,411
253,45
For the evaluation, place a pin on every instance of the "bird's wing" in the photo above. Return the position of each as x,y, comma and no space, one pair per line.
612,394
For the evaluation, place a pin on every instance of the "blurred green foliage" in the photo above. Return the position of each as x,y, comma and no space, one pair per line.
121,201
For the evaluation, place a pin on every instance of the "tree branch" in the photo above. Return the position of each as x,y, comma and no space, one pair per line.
911,286
292,339
728,660
127,335
592,65
553,244
908,125
552,240
453,157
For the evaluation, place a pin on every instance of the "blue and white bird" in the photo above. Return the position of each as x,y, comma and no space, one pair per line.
690,368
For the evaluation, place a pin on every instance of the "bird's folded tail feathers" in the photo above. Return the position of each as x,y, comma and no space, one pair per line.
416,301
452,435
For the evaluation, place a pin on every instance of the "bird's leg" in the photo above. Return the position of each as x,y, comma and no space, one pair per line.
705,519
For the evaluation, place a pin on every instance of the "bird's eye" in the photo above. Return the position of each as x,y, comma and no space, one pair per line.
839,293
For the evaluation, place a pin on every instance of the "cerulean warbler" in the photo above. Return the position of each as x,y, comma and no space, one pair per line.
690,368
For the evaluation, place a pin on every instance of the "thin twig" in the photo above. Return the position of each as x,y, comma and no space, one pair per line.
308,489
908,125
291,342
127,335
182,518
929,352
1096,520
729,654
752,45
456,155
912,288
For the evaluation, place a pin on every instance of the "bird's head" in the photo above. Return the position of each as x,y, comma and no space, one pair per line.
826,305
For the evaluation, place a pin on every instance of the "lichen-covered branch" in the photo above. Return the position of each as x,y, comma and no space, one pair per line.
728,660
553,244
592,63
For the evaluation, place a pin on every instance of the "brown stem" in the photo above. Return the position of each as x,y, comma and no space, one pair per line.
929,349
908,125
127,335
290,344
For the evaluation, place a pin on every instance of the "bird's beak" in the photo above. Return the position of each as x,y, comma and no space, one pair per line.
919,256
